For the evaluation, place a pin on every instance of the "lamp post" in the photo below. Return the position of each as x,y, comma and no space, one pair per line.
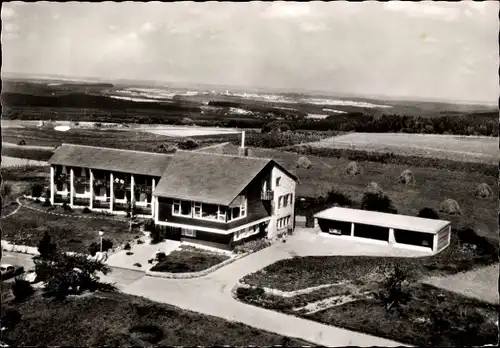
101,233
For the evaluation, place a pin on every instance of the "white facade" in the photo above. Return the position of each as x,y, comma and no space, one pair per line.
282,216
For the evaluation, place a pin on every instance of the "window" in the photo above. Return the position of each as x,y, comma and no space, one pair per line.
285,201
280,201
222,214
181,208
210,211
238,212
188,232
197,209
278,179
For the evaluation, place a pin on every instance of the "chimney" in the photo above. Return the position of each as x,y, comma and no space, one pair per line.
243,151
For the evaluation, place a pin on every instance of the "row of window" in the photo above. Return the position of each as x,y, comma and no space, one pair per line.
211,212
283,222
246,232
285,200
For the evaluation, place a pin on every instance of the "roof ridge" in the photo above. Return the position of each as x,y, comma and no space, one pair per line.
227,155
112,148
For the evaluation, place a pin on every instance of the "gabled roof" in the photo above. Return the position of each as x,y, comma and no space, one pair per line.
397,221
207,177
127,161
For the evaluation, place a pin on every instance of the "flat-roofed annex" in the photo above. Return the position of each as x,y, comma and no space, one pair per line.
396,221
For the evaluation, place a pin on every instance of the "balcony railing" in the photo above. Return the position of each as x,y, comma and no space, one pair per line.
267,195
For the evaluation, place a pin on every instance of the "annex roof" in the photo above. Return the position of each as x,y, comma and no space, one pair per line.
396,221
209,178
127,161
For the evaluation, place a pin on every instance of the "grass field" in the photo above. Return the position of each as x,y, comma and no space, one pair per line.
8,161
27,227
459,148
116,319
189,260
432,186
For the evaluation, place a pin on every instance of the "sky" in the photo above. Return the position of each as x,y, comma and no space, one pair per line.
444,50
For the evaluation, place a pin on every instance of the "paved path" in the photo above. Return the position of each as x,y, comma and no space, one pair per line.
212,294
480,283
90,216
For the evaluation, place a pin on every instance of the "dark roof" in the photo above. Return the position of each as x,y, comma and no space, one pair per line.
207,177
127,161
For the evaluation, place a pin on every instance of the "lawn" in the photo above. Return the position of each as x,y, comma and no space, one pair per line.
116,319
432,317
459,148
28,152
432,186
189,259
74,233
305,272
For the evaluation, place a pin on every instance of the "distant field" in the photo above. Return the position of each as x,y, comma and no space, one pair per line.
433,185
459,148
19,162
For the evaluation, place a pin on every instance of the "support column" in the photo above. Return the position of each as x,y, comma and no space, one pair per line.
52,186
111,193
434,243
132,189
71,186
155,199
91,204
392,239
352,229
153,203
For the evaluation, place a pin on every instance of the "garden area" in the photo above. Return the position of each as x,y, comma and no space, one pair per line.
70,306
70,233
384,296
189,259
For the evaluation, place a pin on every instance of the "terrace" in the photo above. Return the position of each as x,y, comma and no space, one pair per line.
102,190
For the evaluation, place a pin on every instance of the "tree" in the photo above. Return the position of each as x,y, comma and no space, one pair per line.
46,248
395,287
428,213
71,274
21,289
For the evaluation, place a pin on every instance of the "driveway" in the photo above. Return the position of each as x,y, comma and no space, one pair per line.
480,283
212,294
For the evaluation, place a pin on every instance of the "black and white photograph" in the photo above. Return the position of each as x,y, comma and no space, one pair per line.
262,173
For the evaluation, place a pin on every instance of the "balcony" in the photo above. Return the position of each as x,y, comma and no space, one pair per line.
267,195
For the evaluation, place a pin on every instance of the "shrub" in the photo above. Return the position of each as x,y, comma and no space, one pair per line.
188,144
149,225
127,246
10,317
304,163
156,235
406,177
149,333
484,191
374,199
21,142
140,241
21,289
86,210
47,203
6,190
252,293
428,213
67,208
353,168
451,207
128,253
252,246
336,196
137,264
47,250
166,148
36,190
